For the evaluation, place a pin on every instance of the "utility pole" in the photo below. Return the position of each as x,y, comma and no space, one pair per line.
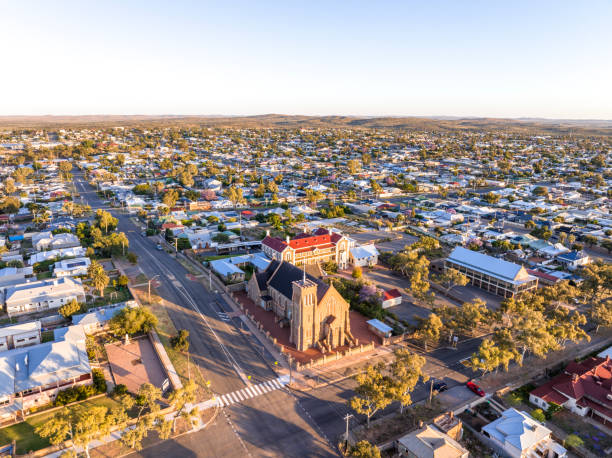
347,417
430,390
150,287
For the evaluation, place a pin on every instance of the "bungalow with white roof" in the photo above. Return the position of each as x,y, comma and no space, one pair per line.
519,435
42,295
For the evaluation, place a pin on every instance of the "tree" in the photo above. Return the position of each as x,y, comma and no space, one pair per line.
234,195
363,449
170,198
9,186
353,166
376,187
181,400
70,308
180,342
451,278
65,167
104,219
601,314
132,257
98,277
590,240
10,205
490,356
429,329
407,370
123,280
373,392
357,272
132,320
597,282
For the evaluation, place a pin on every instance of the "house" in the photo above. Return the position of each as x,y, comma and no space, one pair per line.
47,241
518,435
226,270
42,295
96,320
58,253
430,442
317,314
391,297
32,376
584,387
574,259
20,335
322,245
364,255
495,275
71,267
14,275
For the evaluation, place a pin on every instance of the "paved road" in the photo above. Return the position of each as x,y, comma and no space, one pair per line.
270,424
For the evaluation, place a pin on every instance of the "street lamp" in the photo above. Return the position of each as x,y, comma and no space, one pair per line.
152,278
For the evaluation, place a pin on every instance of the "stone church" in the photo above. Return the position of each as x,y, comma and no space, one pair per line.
317,314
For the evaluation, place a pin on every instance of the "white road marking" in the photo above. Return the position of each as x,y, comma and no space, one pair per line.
251,392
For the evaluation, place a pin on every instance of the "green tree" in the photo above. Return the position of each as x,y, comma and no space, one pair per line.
104,219
181,400
132,320
372,393
99,279
429,329
70,308
357,272
601,314
406,370
451,278
363,449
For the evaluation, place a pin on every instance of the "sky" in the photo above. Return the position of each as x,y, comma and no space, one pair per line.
489,58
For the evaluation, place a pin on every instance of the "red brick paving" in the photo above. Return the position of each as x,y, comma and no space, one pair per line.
359,329
134,364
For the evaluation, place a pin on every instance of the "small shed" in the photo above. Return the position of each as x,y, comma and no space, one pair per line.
379,328
391,297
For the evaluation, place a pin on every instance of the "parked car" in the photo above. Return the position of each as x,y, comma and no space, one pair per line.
440,386
475,388
159,247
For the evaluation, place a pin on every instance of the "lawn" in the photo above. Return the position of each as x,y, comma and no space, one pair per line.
47,336
113,296
44,275
23,433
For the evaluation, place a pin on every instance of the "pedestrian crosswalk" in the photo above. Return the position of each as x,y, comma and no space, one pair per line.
251,392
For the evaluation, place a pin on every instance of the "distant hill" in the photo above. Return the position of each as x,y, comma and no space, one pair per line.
532,126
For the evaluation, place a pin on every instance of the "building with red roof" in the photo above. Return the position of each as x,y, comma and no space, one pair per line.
391,297
584,387
322,245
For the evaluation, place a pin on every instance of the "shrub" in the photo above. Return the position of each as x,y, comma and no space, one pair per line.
70,308
99,382
538,414
573,441
180,342
356,272
553,408
132,257
120,390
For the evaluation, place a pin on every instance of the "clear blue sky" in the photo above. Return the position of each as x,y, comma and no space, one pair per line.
458,57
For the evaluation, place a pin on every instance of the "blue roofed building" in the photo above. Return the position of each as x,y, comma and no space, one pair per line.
495,275
96,320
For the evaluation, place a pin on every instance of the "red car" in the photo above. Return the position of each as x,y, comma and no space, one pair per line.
475,388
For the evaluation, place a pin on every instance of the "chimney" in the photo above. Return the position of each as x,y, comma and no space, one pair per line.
287,239
574,378
420,423
267,233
